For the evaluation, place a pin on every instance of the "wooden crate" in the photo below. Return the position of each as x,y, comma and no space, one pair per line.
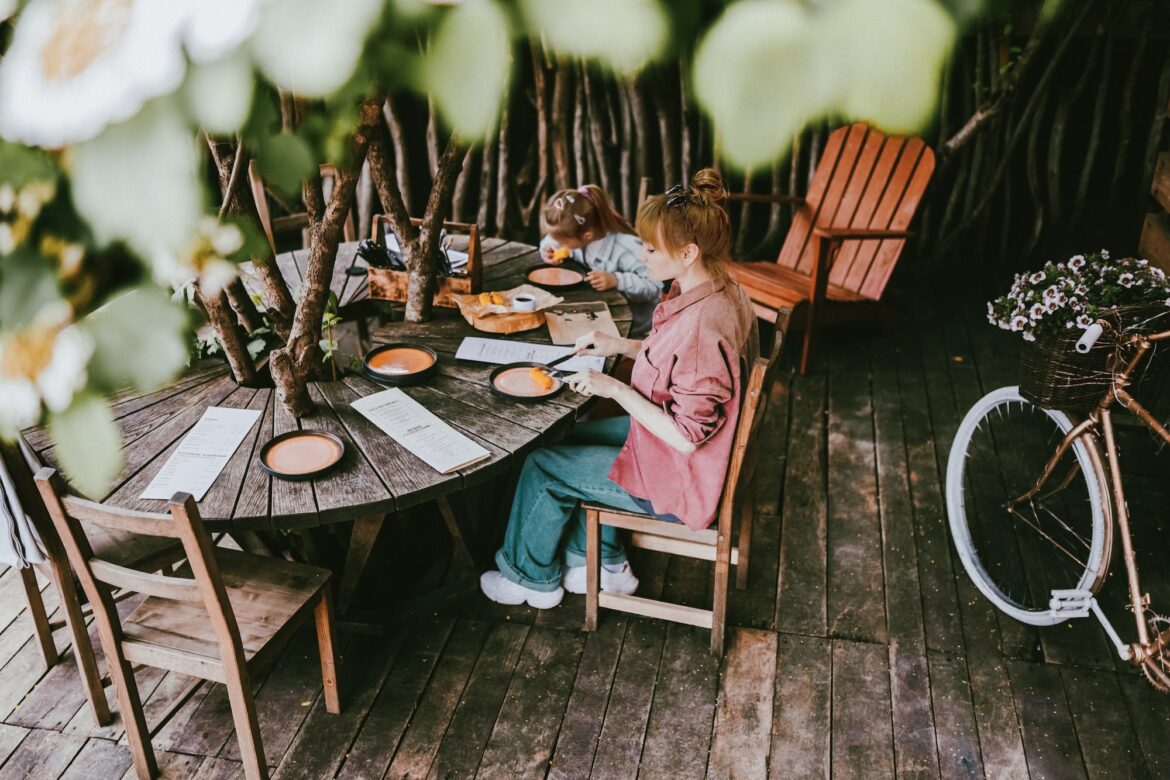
390,285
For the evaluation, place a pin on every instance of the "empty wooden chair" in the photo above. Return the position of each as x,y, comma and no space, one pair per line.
711,544
224,614
847,233
144,553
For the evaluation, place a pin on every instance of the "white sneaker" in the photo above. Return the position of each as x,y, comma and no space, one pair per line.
622,581
502,590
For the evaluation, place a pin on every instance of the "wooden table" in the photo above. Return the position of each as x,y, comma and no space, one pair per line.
378,476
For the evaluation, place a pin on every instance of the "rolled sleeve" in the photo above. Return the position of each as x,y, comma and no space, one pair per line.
702,384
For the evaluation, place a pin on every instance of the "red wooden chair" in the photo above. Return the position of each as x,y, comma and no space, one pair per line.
848,231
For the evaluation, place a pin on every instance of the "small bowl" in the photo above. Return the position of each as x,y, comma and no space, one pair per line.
301,455
523,302
400,363
557,278
515,394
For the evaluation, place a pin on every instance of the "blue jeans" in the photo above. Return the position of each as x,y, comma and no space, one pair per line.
546,517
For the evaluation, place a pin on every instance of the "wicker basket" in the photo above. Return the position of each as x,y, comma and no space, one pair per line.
1055,376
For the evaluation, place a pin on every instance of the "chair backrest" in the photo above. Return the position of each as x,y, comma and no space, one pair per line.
864,179
745,446
275,227
69,514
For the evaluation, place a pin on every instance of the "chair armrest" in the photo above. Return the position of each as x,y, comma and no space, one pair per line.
858,234
749,197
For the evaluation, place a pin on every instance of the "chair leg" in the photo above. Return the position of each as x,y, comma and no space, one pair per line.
747,512
592,567
82,647
328,650
244,718
809,326
133,719
719,606
36,608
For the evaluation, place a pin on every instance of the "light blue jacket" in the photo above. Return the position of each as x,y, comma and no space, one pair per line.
617,253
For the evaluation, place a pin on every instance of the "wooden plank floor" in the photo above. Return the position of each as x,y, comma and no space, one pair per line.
860,648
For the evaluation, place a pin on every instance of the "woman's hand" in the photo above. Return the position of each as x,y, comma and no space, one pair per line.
590,382
601,280
600,343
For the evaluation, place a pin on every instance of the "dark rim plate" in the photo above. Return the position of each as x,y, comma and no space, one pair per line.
528,399
400,380
568,266
268,445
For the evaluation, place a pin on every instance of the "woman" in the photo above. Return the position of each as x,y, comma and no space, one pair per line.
669,456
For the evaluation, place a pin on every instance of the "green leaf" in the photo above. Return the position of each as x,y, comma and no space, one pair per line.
761,74
88,445
468,66
892,56
285,160
621,34
140,340
27,286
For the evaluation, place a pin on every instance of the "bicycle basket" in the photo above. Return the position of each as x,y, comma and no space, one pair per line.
1055,376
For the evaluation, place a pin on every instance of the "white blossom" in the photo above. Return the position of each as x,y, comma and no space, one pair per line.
1037,311
1084,321
1019,323
1037,277
45,361
1126,280
1029,336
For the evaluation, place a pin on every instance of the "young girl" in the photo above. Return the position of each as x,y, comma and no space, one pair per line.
584,222
670,455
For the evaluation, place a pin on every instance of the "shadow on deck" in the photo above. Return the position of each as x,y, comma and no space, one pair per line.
859,649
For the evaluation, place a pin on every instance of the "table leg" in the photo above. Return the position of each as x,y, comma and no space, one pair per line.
457,526
361,542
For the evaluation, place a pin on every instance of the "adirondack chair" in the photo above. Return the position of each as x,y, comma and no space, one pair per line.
847,232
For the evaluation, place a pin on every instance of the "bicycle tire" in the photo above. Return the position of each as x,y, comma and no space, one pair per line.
1086,451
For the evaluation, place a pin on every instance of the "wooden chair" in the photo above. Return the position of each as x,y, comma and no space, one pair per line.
847,233
225,614
711,544
296,222
144,553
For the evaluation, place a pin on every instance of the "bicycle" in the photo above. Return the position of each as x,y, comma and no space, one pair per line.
1047,473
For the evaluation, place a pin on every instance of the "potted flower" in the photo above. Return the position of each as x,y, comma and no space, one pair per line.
1051,307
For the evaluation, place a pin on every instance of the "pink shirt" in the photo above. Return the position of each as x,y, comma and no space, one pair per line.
691,365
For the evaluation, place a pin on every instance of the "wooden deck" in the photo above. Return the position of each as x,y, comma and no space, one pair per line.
860,648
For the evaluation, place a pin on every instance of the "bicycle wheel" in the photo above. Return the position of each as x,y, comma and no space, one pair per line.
1016,552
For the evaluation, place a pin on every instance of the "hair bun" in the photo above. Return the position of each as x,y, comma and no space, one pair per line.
707,184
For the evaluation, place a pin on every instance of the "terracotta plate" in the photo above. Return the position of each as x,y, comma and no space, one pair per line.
301,454
400,363
557,278
515,381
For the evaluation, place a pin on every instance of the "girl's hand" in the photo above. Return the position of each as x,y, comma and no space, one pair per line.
600,343
590,382
601,280
547,252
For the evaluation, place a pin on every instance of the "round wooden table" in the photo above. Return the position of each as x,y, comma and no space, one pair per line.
377,475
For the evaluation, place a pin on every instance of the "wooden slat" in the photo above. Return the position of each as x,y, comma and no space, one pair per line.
43,753
253,504
1105,729
223,495
743,717
888,251
292,501
678,734
677,547
1154,243
863,742
792,253
801,731
855,599
657,609
99,758
869,197
800,602
1049,735
378,739
142,582
467,734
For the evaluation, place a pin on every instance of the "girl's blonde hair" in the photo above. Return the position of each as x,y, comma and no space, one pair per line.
690,215
571,213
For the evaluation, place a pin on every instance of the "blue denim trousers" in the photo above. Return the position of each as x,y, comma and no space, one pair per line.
546,527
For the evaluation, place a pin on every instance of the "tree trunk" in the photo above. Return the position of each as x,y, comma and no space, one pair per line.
401,154
562,156
503,175
540,91
597,130
420,291
296,362
231,337
459,197
246,313
580,140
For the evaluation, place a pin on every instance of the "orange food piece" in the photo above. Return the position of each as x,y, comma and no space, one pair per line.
541,377
497,299
485,299
561,253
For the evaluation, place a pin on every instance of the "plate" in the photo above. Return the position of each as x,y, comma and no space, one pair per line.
557,278
298,455
400,363
512,381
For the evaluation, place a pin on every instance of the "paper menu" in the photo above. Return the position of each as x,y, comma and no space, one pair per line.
568,322
412,425
202,453
502,351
